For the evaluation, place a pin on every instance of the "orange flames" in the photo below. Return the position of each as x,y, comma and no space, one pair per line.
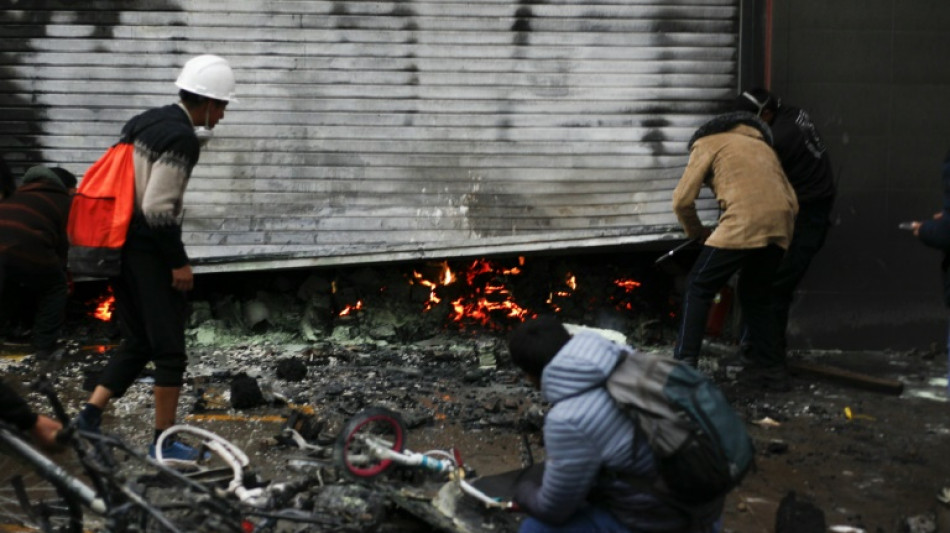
628,285
446,277
105,306
491,300
571,283
493,297
350,308
479,293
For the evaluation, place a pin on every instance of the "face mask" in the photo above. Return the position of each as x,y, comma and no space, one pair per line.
204,135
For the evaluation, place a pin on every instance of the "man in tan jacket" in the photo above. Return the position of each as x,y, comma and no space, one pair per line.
732,154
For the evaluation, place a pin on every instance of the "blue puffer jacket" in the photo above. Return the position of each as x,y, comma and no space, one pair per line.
936,232
585,434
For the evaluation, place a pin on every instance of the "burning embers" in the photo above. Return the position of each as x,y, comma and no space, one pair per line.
399,302
485,295
105,305
486,292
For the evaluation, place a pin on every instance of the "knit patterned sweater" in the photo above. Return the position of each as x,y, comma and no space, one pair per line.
166,151
584,434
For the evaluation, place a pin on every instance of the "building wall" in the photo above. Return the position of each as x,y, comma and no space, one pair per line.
371,131
873,76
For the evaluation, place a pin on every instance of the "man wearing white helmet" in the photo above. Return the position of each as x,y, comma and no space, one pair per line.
156,273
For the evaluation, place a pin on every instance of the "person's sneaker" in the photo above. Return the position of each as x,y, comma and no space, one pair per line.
177,453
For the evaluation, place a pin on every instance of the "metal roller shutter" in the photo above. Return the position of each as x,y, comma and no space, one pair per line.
369,131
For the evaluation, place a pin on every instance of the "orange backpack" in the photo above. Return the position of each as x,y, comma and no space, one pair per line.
100,214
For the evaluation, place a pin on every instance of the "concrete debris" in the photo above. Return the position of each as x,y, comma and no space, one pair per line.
313,352
245,392
922,523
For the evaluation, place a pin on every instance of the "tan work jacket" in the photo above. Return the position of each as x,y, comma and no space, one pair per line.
757,202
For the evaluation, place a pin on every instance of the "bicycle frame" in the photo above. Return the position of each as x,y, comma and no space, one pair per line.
52,472
110,493
451,465
372,441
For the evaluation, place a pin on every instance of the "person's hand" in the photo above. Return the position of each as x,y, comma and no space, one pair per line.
182,278
938,215
915,226
44,433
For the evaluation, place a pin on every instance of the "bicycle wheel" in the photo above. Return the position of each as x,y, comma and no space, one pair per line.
30,502
352,451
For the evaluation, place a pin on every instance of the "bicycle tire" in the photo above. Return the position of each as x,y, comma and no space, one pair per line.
350,452
31,500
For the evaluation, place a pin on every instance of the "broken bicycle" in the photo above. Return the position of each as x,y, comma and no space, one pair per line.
375,440
105,485
369,444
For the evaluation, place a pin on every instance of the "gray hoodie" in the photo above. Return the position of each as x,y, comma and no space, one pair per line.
585,433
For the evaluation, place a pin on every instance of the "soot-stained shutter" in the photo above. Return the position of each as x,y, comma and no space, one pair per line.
370,131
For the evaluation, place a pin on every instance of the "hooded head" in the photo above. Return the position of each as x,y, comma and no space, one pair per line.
535,343
758,101
56,176
727,121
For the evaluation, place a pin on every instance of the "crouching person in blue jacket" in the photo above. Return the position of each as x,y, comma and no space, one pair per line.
597,474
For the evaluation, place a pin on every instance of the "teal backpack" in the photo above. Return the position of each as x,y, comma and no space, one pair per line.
701,445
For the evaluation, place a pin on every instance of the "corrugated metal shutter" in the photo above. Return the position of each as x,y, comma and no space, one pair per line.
369,131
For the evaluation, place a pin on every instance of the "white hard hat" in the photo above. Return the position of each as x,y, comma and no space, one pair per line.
208,75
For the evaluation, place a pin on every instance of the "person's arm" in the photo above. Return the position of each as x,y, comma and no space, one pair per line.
44,432
571,466
688,189
14,409
935,232
161,206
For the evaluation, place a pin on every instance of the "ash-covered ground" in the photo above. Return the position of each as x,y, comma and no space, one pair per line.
862,460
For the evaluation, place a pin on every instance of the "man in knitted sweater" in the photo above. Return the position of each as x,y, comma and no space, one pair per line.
156,272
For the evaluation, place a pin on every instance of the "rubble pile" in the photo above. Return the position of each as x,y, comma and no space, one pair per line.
312,349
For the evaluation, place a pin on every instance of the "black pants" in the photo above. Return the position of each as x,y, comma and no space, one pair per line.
48,285
811,230
151,317
710,273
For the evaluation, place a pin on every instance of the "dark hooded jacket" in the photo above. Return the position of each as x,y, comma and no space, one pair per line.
936,232
33,225
803,156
